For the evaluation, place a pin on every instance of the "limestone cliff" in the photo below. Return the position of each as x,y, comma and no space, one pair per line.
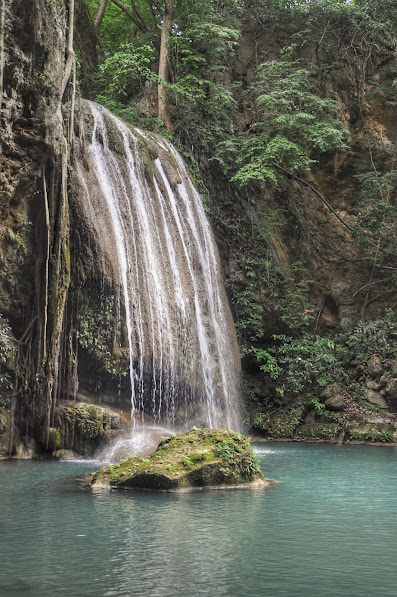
34,229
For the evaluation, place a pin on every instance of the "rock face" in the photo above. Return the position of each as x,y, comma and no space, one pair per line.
84,428
375,398
196,459
372,432
5,431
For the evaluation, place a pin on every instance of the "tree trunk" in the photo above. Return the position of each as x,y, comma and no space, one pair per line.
86,38
69,47
163,107
100,15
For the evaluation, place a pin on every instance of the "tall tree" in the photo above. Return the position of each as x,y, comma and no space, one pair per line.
163,107
86,38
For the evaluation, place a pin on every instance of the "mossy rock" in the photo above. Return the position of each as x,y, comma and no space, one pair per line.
371,433
196,459
54,439
320,431
83,428
5,431
282,424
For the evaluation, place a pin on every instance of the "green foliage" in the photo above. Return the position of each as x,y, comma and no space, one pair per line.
320,431
320,408
236,454
376,337
301,364
205,109
292,303
200,49
308,363
304,365
379,14
281,424
370,435
377,215
295,123
81,427
289,293
365,14
249,314
117,29
124,73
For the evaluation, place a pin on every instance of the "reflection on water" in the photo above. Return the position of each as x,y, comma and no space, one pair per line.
327,530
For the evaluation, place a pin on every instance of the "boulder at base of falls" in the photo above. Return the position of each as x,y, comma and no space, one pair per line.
201,458
84,428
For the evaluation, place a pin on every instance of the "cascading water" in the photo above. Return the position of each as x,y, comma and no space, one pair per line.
182,345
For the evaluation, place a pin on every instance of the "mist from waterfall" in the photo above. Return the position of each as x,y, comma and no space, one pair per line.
183,352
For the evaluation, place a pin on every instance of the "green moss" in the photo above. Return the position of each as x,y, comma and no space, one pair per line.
97,330
54,439
196,458
80,428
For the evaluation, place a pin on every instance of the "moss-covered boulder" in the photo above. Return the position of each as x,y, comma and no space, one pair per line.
196,459
383,432
84,428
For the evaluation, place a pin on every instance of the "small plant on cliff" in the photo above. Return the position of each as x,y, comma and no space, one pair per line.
376,223
96,332
320,408
370,435
249,314
292,298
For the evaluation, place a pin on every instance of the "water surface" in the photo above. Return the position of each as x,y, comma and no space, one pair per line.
328,529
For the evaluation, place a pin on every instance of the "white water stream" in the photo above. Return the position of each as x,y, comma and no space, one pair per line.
182,347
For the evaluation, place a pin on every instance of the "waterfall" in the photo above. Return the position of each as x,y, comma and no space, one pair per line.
182,346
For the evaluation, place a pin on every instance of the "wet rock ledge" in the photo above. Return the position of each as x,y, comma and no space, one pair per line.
202,458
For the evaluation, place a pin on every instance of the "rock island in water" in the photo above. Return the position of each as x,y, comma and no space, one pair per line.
197,459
